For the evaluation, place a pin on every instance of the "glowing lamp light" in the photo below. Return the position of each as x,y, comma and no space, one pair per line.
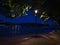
36,11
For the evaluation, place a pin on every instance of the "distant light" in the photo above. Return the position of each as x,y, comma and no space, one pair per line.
36,11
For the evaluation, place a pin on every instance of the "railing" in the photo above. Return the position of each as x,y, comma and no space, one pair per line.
10,30
23,29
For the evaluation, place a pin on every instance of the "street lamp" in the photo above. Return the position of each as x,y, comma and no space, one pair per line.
35,11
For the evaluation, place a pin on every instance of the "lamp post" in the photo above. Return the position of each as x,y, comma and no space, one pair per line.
36,11
36,31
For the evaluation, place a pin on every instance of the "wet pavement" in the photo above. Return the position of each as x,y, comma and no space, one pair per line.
48,39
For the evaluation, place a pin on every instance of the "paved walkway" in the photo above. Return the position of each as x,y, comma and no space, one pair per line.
50,39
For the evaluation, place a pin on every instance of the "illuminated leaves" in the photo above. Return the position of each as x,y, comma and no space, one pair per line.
15,8
44,16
